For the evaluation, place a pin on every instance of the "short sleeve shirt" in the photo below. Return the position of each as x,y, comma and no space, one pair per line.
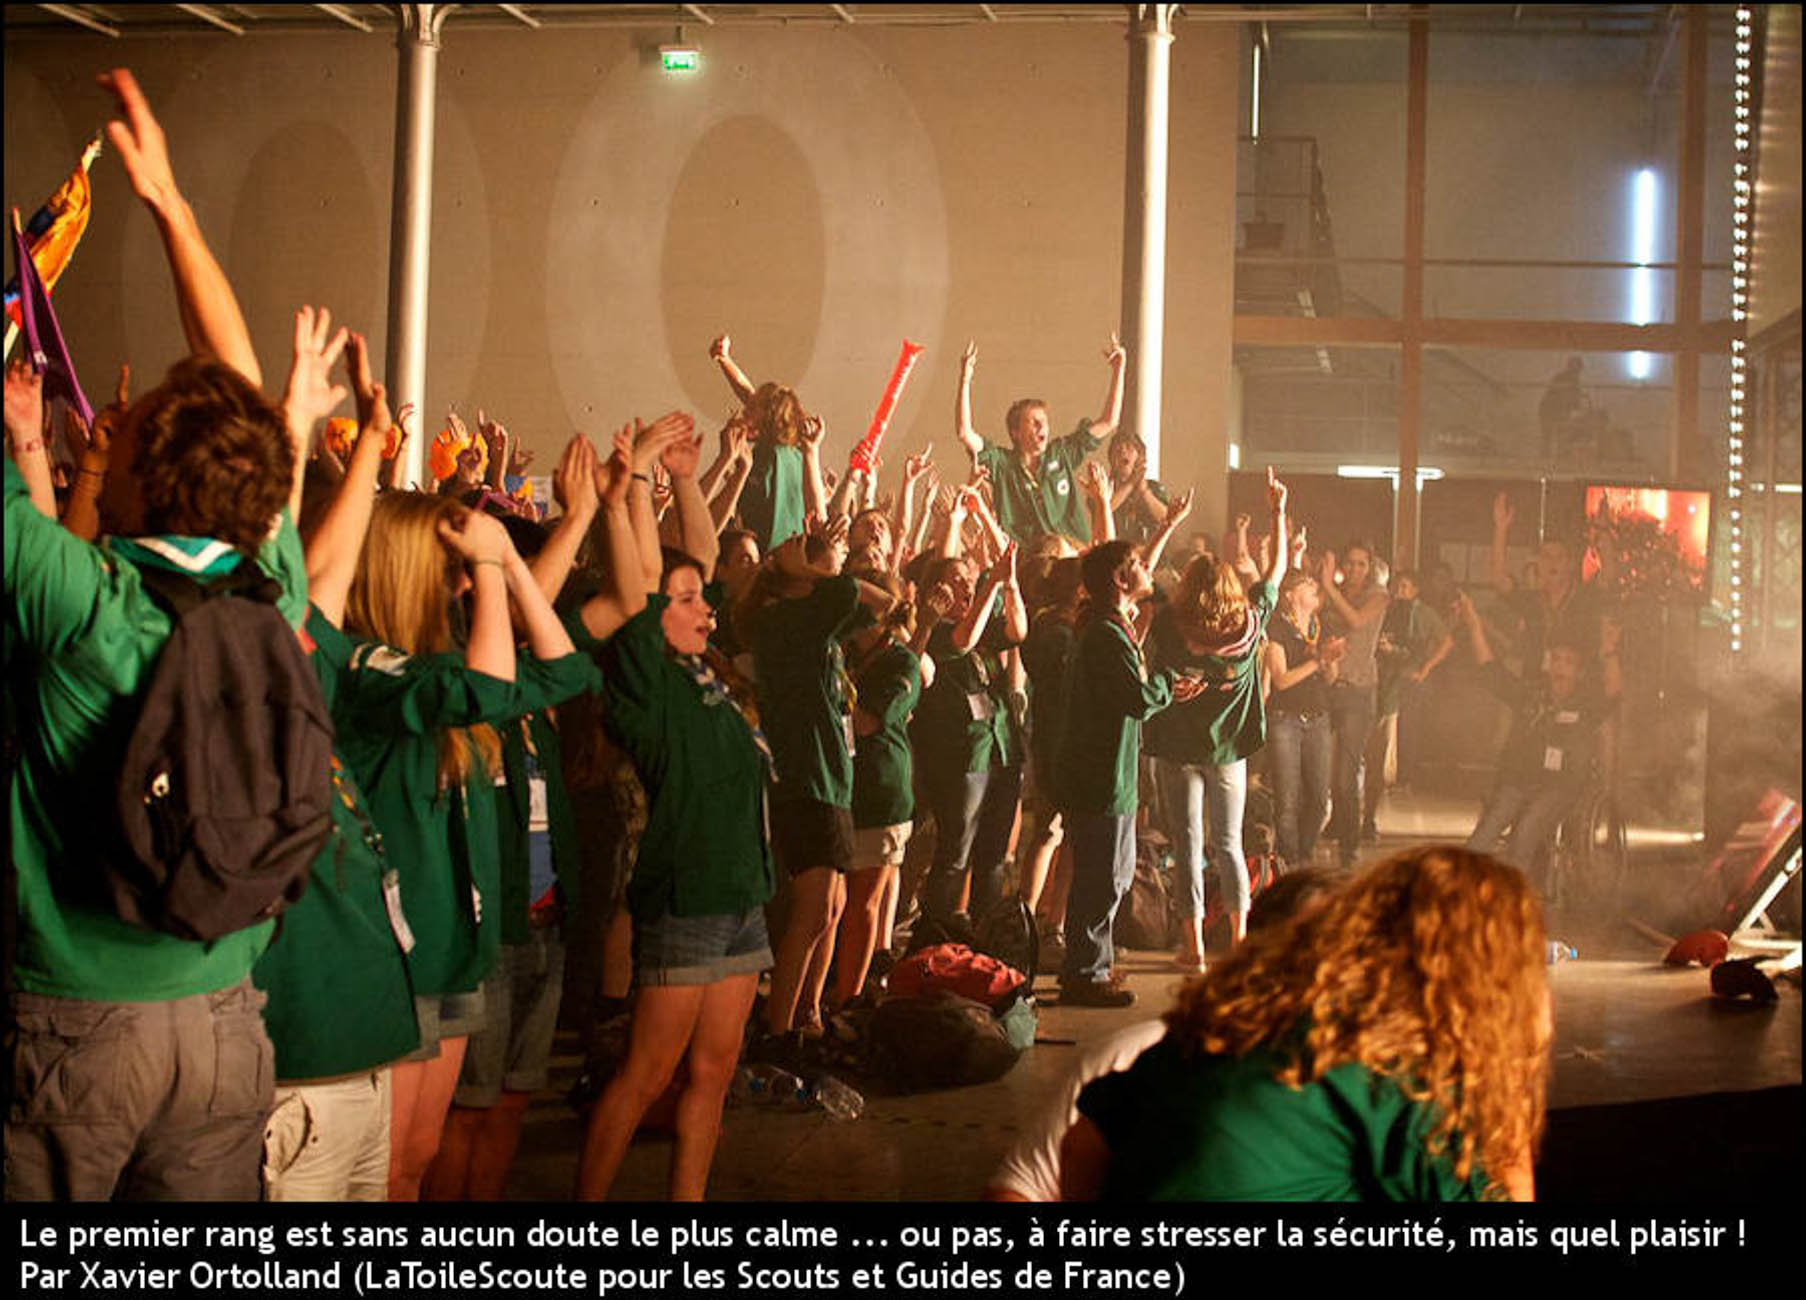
1228,721
804,701
1049,500
889,685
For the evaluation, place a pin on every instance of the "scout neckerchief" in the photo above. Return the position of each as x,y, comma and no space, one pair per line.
715,692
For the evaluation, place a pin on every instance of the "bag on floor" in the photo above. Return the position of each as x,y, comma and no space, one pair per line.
938,1040
1020,1017
955,968
1144,919
224,794
930,932
1008,933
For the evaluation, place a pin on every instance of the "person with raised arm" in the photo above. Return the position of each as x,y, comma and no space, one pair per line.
784,482
703,871
1214,628
1355,610
1109,694
1032,478
1138,502
1300,663
159,1036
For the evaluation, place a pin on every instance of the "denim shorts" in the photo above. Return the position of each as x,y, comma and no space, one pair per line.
699,949
445,1015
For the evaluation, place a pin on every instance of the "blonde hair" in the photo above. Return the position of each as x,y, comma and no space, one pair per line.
400,596
1211,599
1427,968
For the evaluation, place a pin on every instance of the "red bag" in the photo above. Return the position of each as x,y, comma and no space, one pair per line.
957,969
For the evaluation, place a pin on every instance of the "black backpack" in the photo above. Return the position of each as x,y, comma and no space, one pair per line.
939,1040
225,788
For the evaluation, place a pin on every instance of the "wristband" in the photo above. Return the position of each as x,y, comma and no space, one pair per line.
644,478
26,448
477,563
93,473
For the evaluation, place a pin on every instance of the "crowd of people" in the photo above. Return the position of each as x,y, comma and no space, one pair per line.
690,692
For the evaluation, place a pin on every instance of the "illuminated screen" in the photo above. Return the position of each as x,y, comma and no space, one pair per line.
1661,538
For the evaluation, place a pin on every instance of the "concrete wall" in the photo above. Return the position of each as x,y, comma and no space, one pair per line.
819,193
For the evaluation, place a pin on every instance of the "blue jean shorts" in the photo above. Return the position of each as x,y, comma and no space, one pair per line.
671,949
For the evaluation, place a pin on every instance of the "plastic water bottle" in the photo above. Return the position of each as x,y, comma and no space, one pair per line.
1559,952
767,1085
837,1099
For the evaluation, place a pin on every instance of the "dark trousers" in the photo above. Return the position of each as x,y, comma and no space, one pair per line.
1103,868
1351,713
1298,754
973,814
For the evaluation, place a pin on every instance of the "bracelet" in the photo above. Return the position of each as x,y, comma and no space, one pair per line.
93,473
644,478
26,448
477,563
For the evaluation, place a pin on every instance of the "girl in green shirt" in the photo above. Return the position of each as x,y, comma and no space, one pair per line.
1390,1044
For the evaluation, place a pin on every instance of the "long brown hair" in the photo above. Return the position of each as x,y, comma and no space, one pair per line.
1210,601
1427,968
400,597
776,414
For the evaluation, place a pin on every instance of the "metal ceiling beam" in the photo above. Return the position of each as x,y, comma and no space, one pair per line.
74,14
845,14
989,13
521,15
207,15
345,16
700,14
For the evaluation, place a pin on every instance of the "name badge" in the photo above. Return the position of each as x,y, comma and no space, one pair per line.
1063,486
538,819
476,904
398,921
1567,717
846,726
1551,759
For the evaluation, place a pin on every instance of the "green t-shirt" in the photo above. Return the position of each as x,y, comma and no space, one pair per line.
962,723
771,503
85,636
1223,1128
1046,657
889,684
336,947
703,852
390,712
1048,501
1135,522
1228,721
1109,694
804,702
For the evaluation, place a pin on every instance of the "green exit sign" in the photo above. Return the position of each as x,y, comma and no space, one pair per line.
680,58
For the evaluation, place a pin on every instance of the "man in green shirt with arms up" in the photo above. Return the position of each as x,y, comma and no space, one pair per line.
1032,480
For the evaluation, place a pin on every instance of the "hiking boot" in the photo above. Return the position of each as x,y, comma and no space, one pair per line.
1096,993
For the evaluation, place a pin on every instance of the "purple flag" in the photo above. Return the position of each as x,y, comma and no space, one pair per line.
43,336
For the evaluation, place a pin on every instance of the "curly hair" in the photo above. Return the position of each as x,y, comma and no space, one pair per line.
776,413
1211,600
1427,968
212,455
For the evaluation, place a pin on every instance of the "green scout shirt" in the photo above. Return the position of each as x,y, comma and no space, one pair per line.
960,726
514,809
889,684
1134,522
391,709
804,702
1109,694
1046,657
1226,723
85,637
337,948
771,503
703,852
1221,1128
1048,501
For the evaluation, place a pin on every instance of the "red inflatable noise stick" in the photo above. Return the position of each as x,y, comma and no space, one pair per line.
865,455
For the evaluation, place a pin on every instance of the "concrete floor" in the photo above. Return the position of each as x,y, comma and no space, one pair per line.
1628,1030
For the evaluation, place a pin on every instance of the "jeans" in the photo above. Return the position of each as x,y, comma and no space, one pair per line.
1298,763
1103,868
1184,790
1351,713
1531,815
974,813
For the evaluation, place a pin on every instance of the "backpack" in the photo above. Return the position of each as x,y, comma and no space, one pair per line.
1008,933
224,793
954,967
1144,920
938,1040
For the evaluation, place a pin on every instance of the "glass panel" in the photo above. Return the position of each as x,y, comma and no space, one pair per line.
1318,406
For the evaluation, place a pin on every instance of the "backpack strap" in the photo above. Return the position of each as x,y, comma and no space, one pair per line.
180,593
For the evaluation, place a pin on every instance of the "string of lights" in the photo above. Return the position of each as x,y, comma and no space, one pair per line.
1742,198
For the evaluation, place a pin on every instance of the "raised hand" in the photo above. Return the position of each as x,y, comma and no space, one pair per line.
1504,514
1094,480
721,349
1115,354
651,440
357,370
1003,572
475,537
1187,686
917,465
683,457
812,433
968,360
614,476
139,140
24,406
574,481
311,395
1179,508
661,486
1276,493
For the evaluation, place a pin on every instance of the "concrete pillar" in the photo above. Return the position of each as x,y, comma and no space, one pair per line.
1144,221
411,220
